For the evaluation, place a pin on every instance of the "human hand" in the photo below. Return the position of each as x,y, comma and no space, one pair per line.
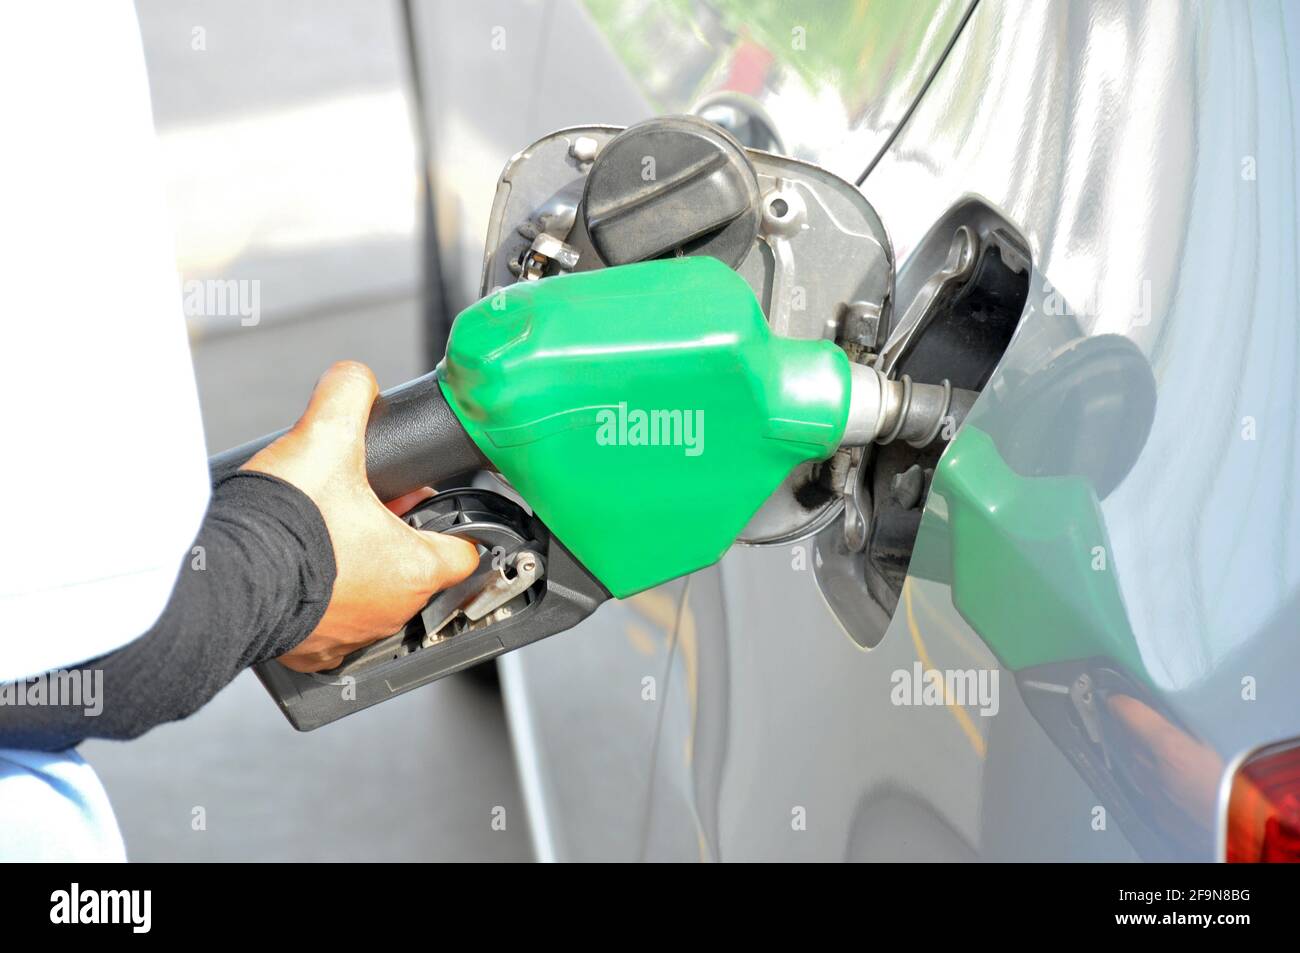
386,570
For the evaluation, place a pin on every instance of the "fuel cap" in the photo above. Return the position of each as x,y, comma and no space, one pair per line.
668,186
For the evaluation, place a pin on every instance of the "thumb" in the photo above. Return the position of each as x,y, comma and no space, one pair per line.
449,558
339,409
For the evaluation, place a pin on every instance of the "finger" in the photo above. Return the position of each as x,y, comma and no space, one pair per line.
1145,722
409,501
341,403
1134,714
315,662
449,559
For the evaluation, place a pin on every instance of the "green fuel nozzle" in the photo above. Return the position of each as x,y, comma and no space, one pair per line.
643,414
645,411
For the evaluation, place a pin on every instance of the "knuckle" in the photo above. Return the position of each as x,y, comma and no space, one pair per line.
353,376
329,431
350,368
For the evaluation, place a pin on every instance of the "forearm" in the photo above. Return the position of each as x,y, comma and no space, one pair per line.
255,585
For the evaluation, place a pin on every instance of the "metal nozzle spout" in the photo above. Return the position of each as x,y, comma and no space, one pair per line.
882,410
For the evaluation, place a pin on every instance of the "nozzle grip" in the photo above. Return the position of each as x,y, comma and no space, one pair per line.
413,439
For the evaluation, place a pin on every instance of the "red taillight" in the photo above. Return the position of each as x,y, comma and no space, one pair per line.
1264,808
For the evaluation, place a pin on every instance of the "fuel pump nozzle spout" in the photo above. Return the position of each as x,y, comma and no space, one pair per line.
883,409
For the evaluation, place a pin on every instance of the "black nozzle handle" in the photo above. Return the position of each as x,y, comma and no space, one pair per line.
413,439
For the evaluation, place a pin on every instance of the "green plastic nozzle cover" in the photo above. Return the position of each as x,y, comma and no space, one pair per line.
644,412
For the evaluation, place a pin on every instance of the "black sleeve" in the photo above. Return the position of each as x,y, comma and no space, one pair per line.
255,585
